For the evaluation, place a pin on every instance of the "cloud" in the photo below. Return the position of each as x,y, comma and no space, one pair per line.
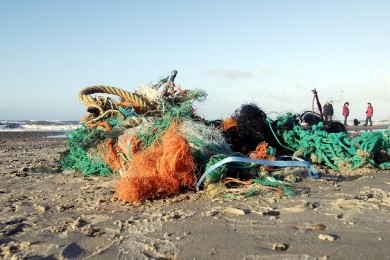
373,93
250,89
386,78
301,85
264,71
230,74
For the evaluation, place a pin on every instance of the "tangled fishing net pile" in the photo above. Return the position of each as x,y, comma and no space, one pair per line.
154,140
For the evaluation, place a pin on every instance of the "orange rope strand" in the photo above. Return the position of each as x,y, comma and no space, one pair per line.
105,124
125,104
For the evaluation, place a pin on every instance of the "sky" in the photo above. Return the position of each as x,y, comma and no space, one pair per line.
270,53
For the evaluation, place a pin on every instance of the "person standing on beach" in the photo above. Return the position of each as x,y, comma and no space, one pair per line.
328,111
369,114
345,112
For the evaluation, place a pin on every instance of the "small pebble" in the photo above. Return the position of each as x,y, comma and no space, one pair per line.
319,227
326,237
279,247
235,211
271,213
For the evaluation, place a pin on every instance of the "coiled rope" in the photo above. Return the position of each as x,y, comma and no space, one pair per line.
106,106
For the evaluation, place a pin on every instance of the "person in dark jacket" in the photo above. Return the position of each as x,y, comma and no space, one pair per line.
346,112
328,111
369,114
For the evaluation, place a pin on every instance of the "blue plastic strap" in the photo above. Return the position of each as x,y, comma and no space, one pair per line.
310,169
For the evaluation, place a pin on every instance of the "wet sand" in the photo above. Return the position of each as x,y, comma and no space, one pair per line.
352,128
49,213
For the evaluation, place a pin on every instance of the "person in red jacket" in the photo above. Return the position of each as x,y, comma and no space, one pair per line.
345,112
369,113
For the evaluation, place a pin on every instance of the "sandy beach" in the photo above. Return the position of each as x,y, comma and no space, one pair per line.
53,214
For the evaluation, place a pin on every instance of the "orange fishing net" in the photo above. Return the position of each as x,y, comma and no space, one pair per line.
161,170
228,123
260,153
108,152
135,145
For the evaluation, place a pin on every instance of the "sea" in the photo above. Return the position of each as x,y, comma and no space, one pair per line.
66,125
38,125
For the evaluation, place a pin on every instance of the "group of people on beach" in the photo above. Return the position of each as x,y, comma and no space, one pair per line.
328,113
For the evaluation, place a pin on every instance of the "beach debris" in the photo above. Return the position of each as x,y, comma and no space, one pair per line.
211,213
364,197
279,247
157,144
235,211
318,227
327,237
271,213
